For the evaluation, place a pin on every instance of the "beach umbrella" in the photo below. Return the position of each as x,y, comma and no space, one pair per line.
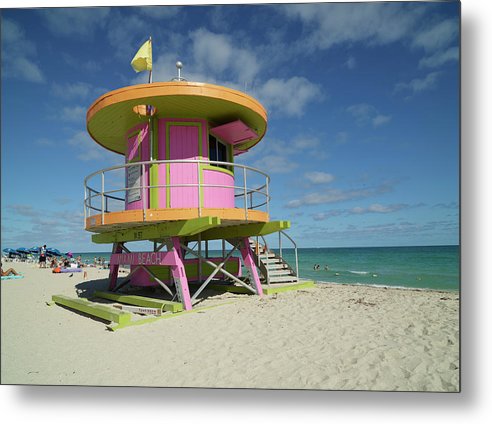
34,250
53,252
11,251
23,250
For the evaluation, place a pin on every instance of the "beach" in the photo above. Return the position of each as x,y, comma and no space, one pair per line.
330,337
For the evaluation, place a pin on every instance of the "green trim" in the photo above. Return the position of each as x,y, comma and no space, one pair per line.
229,288
200,187
267,290
217,168
101,311
280,289
230,153
154,168
159,231
165,316
148,302
244,230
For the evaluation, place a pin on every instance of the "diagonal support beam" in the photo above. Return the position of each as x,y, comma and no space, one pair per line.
212,275
113,269
164,286
179,274
249,263
233,277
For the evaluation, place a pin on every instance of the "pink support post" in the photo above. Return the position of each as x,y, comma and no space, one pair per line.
249,263
179,275
113,269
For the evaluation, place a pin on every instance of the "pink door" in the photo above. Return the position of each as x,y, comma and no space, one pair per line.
183,144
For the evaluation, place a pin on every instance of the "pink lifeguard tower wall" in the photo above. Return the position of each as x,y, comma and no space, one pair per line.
185,139
176,139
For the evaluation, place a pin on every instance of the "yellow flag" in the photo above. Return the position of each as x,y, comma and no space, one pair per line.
143,59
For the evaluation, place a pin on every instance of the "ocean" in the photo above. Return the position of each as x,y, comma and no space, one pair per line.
424,267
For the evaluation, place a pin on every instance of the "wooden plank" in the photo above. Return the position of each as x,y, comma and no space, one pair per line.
266,290
244,230
165,316
107,313
230,288
281,289
158,231
147,302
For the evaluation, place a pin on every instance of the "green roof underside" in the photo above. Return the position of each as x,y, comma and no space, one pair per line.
207,228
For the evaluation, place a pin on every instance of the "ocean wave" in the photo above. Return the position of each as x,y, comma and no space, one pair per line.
359,272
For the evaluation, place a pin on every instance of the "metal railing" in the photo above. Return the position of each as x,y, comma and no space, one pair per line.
280,254
283,233
101,196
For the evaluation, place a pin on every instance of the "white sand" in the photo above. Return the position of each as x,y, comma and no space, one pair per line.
331,337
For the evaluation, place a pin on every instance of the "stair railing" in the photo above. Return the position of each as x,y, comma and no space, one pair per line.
282,233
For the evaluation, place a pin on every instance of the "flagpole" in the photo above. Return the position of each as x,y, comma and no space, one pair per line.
150,71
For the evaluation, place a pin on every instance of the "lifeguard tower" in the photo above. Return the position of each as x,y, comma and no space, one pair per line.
179,188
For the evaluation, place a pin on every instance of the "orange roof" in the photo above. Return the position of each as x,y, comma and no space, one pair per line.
112,114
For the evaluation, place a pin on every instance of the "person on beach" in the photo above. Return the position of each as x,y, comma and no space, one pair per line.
10,271
42,257
54,262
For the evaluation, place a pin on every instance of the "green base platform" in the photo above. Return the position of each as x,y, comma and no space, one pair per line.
267,290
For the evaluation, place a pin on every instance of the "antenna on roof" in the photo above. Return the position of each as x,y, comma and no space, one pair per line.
179,66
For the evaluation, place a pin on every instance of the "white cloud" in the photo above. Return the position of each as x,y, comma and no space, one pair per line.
437,37
275,164
289,97
378,208
71,90
440,58
28,70
317,177
303,143
350,63
341,137
373,23
367,114
359,210
79,21
77,90
332,195
73,114
89,150
159,12
379,120
45,142
216,53
125,42
419,84
280,156
18,54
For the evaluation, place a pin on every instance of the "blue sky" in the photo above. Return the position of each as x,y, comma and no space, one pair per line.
363,101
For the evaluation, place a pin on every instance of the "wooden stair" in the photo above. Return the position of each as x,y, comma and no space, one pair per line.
273,268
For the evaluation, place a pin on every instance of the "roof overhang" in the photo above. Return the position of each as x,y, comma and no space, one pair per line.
112,114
